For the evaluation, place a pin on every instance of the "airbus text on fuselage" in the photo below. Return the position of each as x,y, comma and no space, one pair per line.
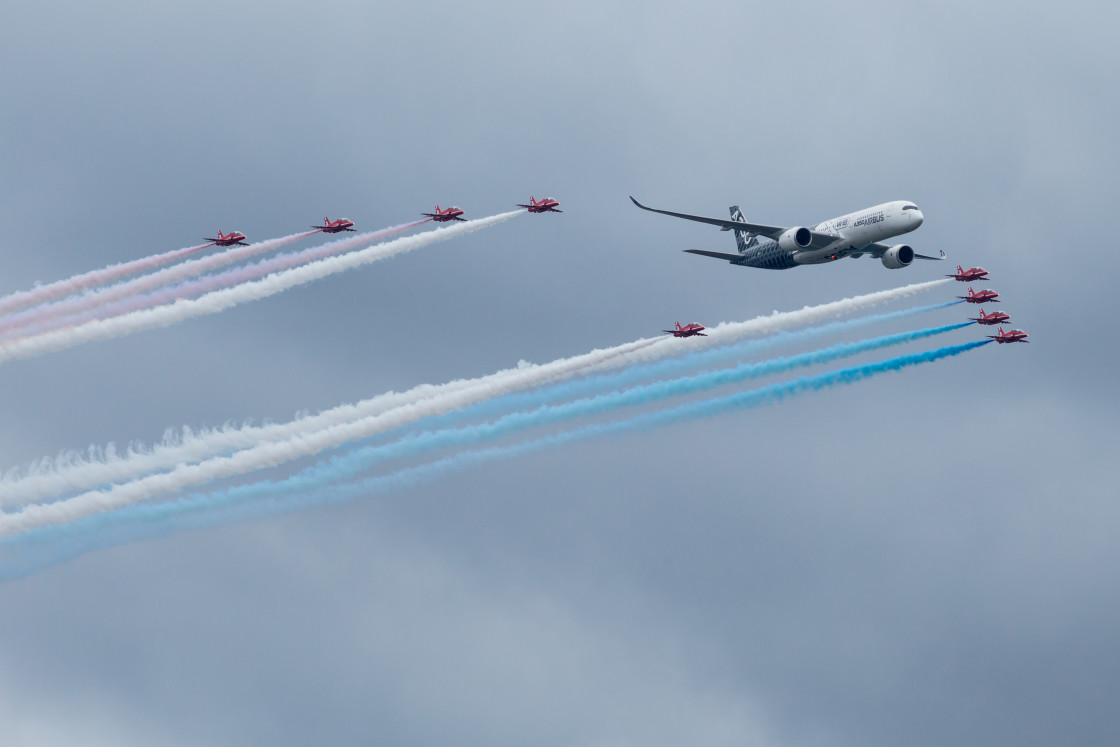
852,235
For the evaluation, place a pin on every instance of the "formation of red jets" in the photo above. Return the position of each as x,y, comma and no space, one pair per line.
441,215
962,275
987,296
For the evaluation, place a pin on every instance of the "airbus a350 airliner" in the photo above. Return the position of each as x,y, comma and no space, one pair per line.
852,235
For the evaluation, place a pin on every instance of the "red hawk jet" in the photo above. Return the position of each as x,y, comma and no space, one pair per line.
996,317
447,214
1015,335
689,330
969,275
985,296
335,226
546,205
229,239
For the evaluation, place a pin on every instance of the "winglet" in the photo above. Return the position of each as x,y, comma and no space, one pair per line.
643,207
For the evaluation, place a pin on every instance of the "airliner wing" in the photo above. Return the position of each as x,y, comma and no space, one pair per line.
820,240
876,251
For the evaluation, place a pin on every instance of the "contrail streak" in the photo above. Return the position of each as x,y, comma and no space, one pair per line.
60,288
306,444
48,546
219,300
72,472
100,304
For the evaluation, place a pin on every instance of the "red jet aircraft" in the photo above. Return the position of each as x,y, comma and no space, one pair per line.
1015,335
984,296
996,317
689,330
229,239
335,226
546,205
445,215
969,275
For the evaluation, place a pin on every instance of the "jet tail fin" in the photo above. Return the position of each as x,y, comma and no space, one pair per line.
744,240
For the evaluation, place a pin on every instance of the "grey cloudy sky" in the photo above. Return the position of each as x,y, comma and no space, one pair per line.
925,558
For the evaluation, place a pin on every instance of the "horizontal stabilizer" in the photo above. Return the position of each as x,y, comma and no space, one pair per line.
716,255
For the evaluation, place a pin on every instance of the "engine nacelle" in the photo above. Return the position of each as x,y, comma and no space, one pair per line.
793,239
898,256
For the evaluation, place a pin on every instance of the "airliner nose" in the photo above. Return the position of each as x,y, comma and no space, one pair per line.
917,217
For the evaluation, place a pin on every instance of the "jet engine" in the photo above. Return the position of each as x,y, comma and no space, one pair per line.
898,256
795,238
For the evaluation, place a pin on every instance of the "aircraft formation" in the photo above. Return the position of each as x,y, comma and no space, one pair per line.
444,215
987,296
103,304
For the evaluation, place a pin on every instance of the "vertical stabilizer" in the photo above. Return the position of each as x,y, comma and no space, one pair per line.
743,239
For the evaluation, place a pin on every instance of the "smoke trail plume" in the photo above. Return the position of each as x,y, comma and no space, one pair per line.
220,300
675,366
100,304
50,291
305,444
72,472
55,544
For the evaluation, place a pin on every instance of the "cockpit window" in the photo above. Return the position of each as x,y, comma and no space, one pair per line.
909,207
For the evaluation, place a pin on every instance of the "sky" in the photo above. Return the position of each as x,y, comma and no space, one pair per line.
927,557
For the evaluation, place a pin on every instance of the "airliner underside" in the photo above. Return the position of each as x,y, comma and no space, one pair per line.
852,235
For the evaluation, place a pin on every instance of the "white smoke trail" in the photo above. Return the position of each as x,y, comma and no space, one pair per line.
220,300
303,442
72,472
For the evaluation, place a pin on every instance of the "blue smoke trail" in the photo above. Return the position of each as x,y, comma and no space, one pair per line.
49,546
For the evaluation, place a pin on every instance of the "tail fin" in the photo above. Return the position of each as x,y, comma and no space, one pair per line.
743,239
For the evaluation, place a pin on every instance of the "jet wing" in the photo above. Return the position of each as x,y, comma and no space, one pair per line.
876,251
820,240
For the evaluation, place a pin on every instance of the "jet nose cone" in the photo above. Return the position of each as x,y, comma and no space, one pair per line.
917,217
